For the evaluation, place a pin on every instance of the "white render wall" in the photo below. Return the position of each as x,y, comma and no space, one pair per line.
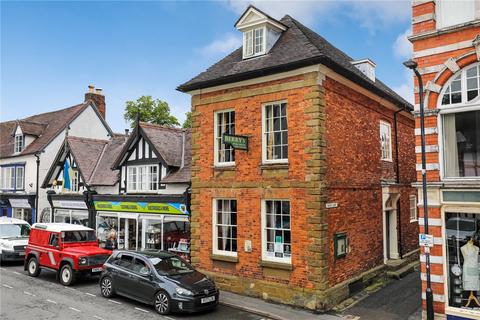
87,125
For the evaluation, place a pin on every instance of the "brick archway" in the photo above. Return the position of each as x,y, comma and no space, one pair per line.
431,96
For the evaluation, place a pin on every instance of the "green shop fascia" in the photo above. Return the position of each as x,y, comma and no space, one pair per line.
143,222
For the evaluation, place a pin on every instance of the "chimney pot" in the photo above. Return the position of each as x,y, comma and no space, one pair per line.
91,88
99,91
97,97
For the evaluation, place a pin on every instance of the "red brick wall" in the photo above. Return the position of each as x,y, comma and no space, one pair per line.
354,173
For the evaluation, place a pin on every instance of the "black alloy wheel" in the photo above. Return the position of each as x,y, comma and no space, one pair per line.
106,287
162,302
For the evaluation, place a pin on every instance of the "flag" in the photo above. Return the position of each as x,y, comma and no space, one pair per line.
66,175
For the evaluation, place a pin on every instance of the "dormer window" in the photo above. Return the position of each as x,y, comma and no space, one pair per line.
260,32
253,42
19,143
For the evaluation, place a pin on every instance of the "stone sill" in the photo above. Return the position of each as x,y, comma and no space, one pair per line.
274,166
224,168
276,265
219,257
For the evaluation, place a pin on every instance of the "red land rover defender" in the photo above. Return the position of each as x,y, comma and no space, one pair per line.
67,249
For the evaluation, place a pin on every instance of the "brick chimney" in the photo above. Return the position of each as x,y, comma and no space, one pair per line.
97,97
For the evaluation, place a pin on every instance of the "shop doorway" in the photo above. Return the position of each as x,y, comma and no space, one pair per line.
127,234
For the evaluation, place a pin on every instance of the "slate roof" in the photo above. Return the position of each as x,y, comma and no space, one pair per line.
87,153
46,126
104,175
297,47
167,141
184,174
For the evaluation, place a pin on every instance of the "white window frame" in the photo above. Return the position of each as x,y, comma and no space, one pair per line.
216,143
463,106
19,177
263,215
74,182
413,208
215,249
19,143
387,157
141,172
249,45
264,133
9,181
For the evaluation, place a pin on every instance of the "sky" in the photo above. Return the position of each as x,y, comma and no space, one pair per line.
51,51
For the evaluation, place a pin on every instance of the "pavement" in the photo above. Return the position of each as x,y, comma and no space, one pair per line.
24,297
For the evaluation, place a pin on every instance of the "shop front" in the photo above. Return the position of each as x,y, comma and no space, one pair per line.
18,206
70,208
461,231
143,223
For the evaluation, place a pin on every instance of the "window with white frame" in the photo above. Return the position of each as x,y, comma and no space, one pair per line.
276,232
225,226
19,178
142,178
253,42
12,177
413,207
275,132
19,143
459,106
385,141
224,124
74,181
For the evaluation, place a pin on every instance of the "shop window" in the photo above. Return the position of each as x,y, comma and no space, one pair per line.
340,243
462,242
224,124
461,133
142,178
276,231
413,208
225,227
79,217
385,141
275,133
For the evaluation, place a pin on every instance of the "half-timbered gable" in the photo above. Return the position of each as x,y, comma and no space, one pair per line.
151,155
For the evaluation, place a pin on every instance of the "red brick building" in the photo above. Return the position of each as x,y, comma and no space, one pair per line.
318,203
446,47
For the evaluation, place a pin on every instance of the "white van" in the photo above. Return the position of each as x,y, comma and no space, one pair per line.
13,239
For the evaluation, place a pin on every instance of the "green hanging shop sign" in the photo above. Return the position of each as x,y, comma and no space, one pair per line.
236,142
142,207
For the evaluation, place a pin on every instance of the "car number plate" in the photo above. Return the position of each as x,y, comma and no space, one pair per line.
21,253
208,299
97,269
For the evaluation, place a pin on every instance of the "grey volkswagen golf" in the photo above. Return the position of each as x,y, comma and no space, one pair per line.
158,278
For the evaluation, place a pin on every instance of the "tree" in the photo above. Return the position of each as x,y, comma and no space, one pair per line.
188,121
149,110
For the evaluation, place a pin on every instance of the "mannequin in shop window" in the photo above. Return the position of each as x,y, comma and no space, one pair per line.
471,276
111,243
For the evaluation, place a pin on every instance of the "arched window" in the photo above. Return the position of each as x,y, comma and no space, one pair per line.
463,88
459,106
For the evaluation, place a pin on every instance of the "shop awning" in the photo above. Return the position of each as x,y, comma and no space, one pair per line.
19,203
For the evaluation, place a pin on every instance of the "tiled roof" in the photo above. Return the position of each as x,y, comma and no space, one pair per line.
297,47
184,174
104,175
53,123
95,158
167,141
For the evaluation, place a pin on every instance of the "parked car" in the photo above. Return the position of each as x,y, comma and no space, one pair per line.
13,239
67,249
158,278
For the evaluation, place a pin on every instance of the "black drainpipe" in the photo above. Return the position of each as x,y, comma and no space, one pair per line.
397,164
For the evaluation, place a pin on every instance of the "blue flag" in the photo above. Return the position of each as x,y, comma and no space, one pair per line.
66,175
